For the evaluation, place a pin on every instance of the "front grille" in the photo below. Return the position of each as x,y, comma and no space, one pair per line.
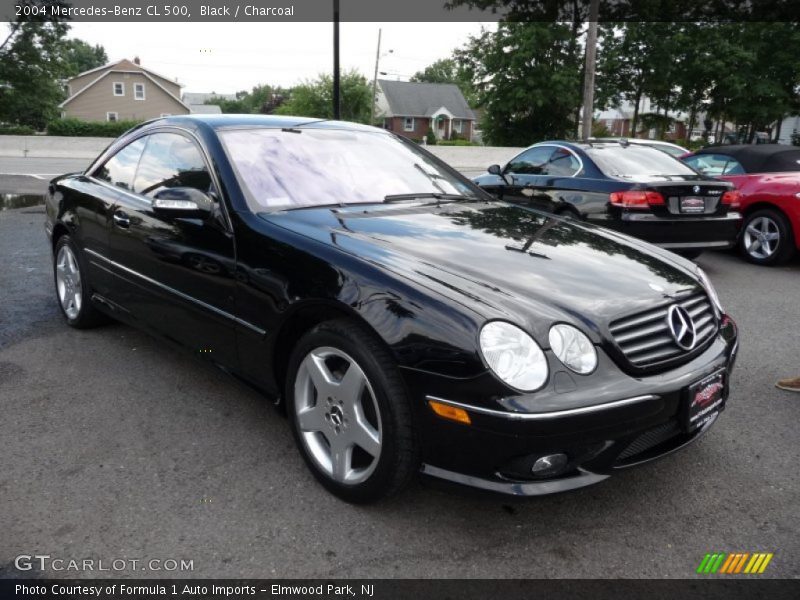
645,338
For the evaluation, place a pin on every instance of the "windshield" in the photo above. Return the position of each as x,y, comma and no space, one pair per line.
636,162
296,168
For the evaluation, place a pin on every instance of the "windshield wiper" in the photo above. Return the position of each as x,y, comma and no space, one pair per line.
415,196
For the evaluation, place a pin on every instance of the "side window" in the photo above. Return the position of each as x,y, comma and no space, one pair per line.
171,160
120,169
563,163
530,162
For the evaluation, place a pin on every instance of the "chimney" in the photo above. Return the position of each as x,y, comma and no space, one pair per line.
136,60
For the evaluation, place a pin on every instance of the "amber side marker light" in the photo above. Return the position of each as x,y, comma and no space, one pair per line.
450,412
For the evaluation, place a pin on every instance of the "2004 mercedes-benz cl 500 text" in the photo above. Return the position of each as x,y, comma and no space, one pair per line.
407,320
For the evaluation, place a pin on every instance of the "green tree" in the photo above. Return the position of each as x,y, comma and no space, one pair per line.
529,78
78,56
314,98
449,70
263,99
31,68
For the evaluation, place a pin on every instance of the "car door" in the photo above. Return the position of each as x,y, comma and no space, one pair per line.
177,273
525,176
99,191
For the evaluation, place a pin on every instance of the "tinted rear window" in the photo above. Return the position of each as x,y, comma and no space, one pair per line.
636,162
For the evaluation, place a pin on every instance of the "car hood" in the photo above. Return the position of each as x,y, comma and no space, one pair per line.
502,260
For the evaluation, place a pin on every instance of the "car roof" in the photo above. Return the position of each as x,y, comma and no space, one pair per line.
639,141
243,121
760,158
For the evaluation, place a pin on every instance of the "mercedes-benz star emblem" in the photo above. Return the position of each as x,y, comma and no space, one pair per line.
681,327
696,189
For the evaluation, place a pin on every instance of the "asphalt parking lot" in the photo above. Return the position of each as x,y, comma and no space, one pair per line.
117,447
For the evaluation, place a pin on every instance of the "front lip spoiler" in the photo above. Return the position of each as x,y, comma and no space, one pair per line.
518,488
557,414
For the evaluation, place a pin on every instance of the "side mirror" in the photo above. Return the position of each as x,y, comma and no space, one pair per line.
500,172
185,202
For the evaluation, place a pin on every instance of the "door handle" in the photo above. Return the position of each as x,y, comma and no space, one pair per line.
121,219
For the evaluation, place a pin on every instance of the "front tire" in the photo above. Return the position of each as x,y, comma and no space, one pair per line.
767,238
72,287
350,413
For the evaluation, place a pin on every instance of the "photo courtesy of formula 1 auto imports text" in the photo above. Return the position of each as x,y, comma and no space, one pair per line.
365,299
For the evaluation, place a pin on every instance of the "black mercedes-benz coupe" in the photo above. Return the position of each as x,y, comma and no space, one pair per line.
407,320
632,188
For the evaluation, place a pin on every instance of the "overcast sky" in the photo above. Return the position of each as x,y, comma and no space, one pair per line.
228,57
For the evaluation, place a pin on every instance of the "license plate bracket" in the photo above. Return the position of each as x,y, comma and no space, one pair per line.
692,205
704,400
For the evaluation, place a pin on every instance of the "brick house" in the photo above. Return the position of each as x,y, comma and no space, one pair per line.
124,90
412,109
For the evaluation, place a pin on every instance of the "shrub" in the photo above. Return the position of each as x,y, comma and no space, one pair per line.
16,130
77,128
795,137
430,138
456,142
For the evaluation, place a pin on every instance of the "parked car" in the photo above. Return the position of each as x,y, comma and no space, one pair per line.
768,178
672,149
405,319
627,187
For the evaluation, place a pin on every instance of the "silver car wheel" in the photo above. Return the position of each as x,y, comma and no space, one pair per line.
68,282
762,237
338,415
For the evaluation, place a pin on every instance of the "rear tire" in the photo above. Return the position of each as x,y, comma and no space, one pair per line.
350,413
690,254
73,291
767,238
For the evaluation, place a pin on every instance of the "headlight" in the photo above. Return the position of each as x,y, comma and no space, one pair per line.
513,356
712,293
573,348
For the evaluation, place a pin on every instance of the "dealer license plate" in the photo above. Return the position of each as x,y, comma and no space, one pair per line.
704,401
693,205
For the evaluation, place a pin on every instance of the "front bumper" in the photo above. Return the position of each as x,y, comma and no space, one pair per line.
680,233
631,421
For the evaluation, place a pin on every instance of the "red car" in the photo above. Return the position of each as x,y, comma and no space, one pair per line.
768,177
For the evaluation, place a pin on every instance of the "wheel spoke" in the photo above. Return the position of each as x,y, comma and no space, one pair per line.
773,236
752,230
364,435
351,385
312,419
319,373
340,461
765,225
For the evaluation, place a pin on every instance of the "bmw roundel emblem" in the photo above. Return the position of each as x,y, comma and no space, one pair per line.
696,189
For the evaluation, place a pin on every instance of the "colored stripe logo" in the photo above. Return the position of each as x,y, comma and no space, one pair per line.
734,563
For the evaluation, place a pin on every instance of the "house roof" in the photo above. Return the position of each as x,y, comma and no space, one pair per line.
411,99
125,64
204,109
107,73
203,97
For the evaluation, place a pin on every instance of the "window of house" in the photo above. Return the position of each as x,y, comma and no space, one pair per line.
171,160
408,124
112,116
119,88
120,169
138,91
457,125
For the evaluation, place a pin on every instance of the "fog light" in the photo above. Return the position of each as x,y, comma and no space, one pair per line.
551,464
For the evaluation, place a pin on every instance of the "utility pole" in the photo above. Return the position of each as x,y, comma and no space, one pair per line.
375,81
588,79
337,112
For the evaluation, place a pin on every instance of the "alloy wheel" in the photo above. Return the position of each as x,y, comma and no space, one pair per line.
68,282
337,415
762,237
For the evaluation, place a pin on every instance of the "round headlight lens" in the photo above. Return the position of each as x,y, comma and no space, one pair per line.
712,293
513,356
573,348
